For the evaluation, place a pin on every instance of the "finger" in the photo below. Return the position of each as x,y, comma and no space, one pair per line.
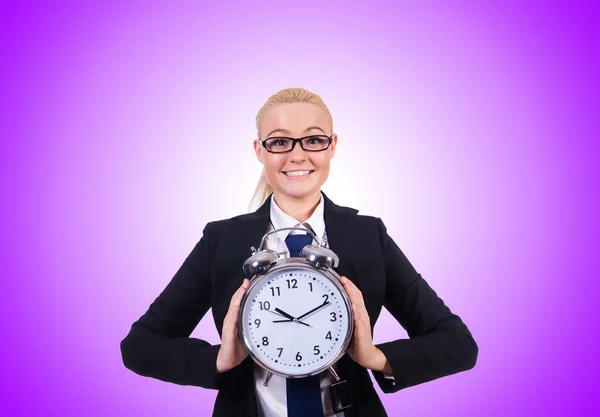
361,316
357,296
360,319
235,308
344,280
354,299
237,296
231,317
349,285
352,290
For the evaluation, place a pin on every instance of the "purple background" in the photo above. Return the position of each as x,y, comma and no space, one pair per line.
472,130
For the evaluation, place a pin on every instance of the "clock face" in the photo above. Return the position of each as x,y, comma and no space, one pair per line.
319,332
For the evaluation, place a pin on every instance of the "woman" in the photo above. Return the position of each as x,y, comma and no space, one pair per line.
295,145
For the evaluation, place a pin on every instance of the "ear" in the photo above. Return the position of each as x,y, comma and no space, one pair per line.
258,149
334,139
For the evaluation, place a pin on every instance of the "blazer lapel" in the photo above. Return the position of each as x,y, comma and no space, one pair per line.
244,233
251,231
344,239
348,240
254,227
341,237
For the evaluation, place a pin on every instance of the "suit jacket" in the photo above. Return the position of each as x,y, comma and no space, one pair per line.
158,344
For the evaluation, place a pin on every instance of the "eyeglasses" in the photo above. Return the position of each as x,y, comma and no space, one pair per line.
315,143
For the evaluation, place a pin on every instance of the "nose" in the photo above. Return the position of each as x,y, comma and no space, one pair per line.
297,154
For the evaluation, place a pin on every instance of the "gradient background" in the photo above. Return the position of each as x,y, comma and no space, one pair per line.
471,129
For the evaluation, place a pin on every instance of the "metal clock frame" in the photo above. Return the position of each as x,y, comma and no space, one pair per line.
313,258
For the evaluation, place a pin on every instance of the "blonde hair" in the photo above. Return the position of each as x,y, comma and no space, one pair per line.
288,95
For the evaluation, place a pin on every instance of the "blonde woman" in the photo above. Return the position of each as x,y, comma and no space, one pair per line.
295,144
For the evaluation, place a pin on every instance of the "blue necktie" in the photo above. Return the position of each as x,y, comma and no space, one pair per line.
303,394
295,243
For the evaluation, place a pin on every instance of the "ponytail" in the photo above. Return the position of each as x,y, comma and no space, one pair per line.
262,192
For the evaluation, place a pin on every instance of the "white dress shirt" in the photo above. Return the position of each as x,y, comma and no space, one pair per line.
272,399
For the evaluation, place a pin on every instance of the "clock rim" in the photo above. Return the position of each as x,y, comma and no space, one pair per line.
301,263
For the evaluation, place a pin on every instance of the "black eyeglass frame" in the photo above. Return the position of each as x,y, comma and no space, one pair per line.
294,141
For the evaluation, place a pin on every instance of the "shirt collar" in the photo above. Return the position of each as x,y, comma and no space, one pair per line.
281,219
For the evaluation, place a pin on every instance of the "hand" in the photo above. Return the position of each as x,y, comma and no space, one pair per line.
361,348
232,351
297,320
313,310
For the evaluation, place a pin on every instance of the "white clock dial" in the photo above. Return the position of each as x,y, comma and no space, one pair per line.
302,346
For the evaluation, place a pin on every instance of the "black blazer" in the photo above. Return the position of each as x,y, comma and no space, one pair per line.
158,344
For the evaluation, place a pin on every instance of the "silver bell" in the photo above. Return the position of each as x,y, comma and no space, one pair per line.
320,256
258,262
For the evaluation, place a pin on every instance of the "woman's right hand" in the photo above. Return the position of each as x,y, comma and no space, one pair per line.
232,351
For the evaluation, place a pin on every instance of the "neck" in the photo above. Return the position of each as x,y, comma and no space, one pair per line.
299,208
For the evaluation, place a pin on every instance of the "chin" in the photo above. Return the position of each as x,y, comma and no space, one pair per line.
300,195
297,192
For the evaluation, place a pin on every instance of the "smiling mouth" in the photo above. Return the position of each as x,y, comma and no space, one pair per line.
293,174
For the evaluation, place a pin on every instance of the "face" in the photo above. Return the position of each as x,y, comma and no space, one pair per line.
296,120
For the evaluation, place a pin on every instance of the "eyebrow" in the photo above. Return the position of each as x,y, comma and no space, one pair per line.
288,132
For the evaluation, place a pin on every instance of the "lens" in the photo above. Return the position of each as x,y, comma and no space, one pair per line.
278,144
315,143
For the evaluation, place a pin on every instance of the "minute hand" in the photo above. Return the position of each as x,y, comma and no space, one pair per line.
314,309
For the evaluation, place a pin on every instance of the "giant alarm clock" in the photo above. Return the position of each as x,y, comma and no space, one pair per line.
295,317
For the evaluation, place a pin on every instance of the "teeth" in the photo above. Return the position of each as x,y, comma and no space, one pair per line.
297,173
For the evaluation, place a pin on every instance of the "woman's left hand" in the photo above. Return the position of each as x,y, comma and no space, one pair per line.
361,348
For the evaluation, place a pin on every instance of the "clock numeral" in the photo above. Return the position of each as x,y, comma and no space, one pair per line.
316,350
310,285
292,283
273,291
298,357
333,316
265,341
257,322
326,297
280,352
264,305
328,335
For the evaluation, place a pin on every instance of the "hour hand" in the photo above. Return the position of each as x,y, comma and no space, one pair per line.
284,314
289,316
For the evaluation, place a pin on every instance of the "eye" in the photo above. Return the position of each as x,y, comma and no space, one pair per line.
316,140
278,142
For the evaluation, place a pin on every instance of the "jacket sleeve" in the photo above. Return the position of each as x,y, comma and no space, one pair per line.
158,344
439,343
